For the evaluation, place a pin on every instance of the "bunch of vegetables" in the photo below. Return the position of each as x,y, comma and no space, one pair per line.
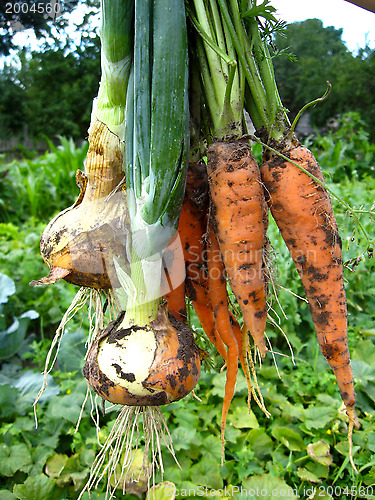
236,73
156,226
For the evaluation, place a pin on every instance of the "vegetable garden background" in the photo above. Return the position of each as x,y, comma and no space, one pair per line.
303,445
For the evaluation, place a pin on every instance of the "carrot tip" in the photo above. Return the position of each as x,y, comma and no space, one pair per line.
353,421
353,418
222,446
262,348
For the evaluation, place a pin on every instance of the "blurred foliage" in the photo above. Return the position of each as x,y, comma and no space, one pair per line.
40,187
309,56
50,91
14,19
346,150
59,88
302,448
32,192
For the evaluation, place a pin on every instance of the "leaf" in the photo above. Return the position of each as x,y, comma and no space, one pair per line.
218,384
319,470
183,438
242,419
13,459
328,401
98,496
370,441
267,486
8,400
12,338
260,443
207,473
31,314
212,448
7,288
72,473
318,417
289,438
30,383
343,448
40,457
55,465
232,433
72,352
162,491
365,351
6,495
35,487
136,481
306,475
319,495
369,332
362,371
319,452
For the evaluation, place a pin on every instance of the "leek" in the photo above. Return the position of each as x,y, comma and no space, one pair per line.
116,36
157,144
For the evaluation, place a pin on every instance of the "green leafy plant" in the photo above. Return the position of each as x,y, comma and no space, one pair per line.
40,187
302,446
12,337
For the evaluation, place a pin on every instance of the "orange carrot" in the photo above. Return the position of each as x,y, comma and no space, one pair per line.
219,301
193,222
191,228
174,279
200,298
302,210
221,327
238,219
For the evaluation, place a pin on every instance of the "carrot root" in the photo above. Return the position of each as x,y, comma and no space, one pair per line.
238,219
219,300
302,210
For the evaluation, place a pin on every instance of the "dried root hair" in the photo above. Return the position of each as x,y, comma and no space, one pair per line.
115,459
97,321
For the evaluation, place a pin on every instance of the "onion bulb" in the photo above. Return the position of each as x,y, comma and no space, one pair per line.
79,244
144,366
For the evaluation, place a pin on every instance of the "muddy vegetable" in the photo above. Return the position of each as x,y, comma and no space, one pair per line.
142,366
79,244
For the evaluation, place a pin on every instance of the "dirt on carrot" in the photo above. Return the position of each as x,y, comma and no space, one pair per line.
238,214
302,210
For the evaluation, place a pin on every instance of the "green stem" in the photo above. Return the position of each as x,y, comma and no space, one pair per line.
307,106
212,55
116,44
208,85
139,311
241,45
219,33
211,43
277,120
219,70
262,58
